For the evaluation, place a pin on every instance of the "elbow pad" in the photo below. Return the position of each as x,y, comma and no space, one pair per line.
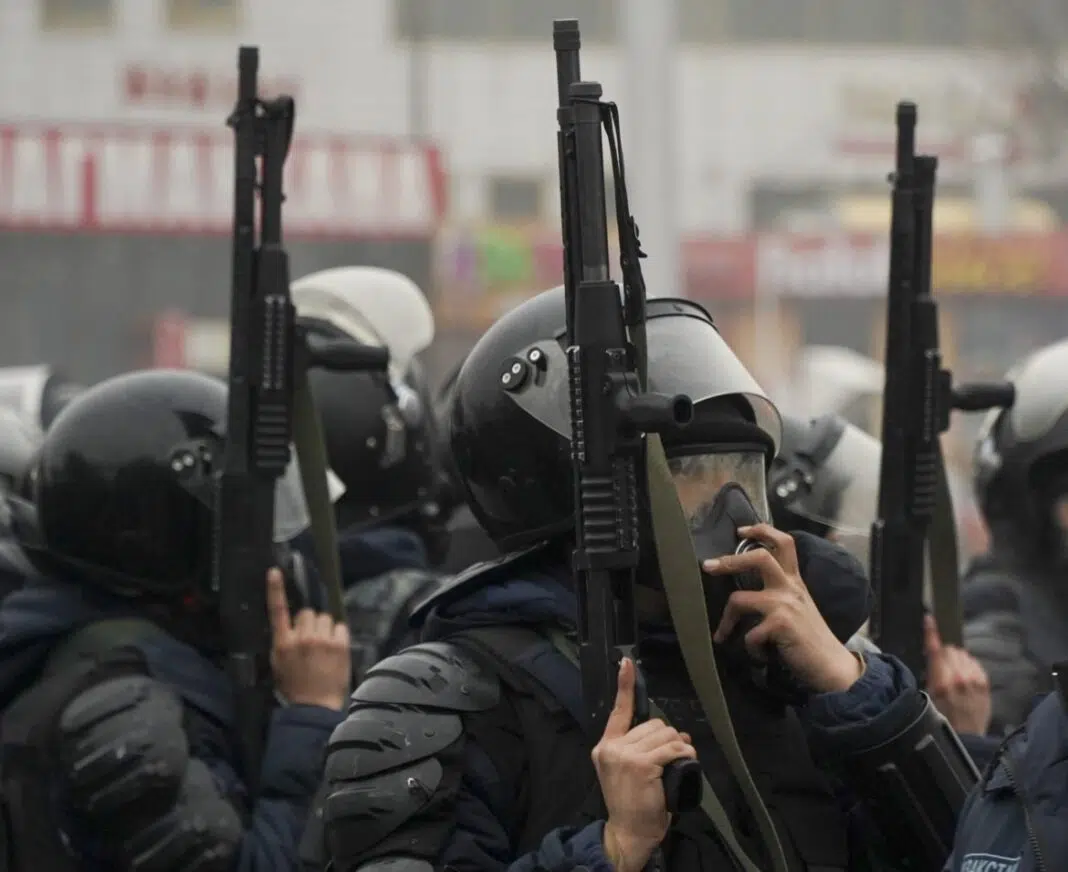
124,750
915,785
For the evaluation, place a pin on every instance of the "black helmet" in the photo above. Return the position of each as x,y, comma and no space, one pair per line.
446,394
1020,464
510,427
379,440
378,427
123,486
826,479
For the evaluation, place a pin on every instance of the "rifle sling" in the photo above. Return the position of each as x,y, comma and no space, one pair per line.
311,450
944,561
683,588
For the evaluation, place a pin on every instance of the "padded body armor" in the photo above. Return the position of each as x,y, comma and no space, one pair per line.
394,767
113,741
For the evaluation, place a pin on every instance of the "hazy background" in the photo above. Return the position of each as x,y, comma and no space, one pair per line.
758,135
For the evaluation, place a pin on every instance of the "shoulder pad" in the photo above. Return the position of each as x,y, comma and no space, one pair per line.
990,590
358,816
474,577
397,864
123,747
202,833
372,740
432,674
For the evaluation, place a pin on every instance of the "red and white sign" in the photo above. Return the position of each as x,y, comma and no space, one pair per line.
857,264
837,265
179,341
153,86
138,180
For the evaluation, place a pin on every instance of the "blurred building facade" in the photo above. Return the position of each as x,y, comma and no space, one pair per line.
429,146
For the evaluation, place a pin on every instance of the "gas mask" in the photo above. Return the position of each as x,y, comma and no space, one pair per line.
719,493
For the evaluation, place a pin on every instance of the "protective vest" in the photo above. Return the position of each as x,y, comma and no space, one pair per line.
544,710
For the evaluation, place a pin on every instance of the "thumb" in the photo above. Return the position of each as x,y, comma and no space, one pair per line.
932,640
622,714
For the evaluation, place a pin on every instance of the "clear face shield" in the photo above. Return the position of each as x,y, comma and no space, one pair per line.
720,493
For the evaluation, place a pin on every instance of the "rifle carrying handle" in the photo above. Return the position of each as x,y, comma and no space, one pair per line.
683,779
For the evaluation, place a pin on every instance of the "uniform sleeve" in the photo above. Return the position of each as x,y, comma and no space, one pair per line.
480,840
296,741
876,708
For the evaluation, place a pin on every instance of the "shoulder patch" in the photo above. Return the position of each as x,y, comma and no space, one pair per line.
989,592
432,675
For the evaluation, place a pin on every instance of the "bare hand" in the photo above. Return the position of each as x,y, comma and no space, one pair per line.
309,656
957,683
630,763
790,620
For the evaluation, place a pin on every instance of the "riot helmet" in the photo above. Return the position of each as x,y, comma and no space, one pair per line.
511,425
830,380
468,542
378,427
37,394
825,481
123,490
443,401
1020,466
18,448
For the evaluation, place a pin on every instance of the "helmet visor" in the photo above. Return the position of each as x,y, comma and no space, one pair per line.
687,356
720,493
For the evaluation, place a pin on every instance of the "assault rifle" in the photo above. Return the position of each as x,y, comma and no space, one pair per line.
610,408
914,499
268,357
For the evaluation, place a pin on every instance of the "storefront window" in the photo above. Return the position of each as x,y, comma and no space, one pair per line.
77,14
202,14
